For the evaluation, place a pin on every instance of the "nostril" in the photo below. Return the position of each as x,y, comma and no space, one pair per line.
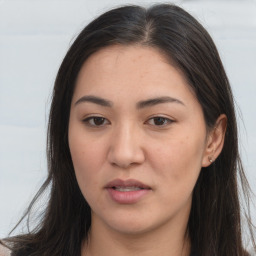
124,150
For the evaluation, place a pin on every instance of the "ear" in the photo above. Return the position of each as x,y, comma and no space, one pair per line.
215,141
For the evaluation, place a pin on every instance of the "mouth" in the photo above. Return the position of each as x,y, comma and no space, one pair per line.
126,185
127,191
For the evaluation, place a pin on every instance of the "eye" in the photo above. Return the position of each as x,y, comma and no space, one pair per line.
96,121
159,121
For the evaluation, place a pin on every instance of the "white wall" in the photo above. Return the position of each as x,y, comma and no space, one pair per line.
35,35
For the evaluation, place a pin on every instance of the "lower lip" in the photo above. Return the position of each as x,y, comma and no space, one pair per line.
127,197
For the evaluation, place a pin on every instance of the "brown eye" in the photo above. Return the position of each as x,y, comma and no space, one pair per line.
96,121
159,121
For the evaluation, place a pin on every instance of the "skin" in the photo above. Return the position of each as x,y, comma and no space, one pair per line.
128,143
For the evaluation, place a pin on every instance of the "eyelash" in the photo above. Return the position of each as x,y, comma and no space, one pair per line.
165,119
87,121
93,118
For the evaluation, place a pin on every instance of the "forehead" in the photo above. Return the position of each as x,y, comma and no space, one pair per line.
135,53
119,70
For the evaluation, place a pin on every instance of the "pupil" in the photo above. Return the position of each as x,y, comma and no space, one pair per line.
159,120
98,120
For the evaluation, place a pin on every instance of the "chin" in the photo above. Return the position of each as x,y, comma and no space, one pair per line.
133,225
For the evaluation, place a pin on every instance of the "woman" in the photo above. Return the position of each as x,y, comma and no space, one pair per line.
142,144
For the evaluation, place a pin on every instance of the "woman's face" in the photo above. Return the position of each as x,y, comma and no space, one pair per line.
137,138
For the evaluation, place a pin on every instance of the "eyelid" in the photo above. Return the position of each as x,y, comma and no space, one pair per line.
168,119
87,120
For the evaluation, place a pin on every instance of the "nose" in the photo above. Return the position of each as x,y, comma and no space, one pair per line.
126,147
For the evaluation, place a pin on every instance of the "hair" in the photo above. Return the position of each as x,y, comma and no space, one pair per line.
214,225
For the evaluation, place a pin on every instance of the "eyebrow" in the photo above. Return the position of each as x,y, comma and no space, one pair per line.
141,104
158,100
96,100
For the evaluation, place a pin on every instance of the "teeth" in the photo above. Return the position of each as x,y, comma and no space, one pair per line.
127,189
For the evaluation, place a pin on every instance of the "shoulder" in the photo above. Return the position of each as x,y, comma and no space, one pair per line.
4,251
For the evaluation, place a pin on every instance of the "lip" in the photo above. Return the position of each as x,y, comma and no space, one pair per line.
127,197
126,183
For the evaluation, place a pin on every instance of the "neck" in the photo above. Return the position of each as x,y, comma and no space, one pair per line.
164,241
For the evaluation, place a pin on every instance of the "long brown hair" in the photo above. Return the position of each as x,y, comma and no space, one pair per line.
215,221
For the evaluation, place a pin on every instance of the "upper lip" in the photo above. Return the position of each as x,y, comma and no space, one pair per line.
126,183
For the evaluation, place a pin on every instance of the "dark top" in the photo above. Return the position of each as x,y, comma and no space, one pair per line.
25,253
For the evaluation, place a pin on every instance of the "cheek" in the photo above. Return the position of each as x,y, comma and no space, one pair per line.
87,161
179,159
177,165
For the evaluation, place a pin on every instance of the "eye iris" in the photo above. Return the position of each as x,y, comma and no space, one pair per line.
159,120
98,120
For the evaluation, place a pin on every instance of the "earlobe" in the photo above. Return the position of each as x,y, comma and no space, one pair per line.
215,141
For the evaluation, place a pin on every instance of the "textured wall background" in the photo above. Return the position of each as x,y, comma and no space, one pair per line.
35,35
